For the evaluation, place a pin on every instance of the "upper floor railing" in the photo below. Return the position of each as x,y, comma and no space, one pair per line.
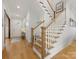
38,25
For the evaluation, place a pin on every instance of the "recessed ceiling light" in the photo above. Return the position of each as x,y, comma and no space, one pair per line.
18,6
17,15
27,24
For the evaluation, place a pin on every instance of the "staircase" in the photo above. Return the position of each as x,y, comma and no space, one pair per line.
51,7
48,42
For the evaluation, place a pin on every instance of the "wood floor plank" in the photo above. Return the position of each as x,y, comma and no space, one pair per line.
67,53
20,50
23,50
4,54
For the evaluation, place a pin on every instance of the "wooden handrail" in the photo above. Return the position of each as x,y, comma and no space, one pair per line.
51,8
38,25
49,24
59,2
9,34
32,32
62,6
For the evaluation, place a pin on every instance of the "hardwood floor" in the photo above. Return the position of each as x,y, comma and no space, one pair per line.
67,53
4,54
22,50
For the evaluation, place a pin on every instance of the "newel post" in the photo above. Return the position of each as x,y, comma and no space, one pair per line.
43,41
32,36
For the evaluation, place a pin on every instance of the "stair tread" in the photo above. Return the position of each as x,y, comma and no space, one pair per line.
51,46
56,37
39,49
57,32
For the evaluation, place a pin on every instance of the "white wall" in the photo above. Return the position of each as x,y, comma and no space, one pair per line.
2,26
16,26
35,13
70,10
31,7
32,21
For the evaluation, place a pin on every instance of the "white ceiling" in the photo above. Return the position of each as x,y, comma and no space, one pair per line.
29,5
25,6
